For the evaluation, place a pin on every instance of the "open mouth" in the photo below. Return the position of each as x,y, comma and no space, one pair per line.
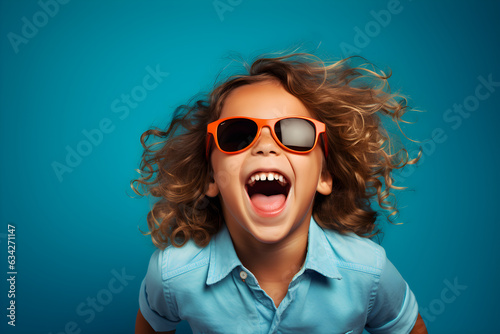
267,191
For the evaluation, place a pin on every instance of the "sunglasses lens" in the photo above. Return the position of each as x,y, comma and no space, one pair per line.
236,134
296,133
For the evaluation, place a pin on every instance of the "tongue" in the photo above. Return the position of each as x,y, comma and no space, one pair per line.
268,203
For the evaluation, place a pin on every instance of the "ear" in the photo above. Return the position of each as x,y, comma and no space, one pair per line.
213,189
324,183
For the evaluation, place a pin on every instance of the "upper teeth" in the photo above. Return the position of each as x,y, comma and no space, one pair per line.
261,176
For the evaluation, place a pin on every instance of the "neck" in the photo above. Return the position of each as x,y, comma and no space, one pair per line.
276,262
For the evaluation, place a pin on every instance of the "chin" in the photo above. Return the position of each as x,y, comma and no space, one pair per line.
270,234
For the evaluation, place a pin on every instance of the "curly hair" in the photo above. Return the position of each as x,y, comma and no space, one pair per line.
349,99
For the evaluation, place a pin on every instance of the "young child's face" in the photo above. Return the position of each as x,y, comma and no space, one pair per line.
267,219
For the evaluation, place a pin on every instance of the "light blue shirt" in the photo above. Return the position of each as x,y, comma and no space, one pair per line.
346,284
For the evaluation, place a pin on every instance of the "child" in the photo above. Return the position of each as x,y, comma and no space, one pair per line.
264,212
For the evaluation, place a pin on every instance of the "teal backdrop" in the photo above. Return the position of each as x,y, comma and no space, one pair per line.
81,80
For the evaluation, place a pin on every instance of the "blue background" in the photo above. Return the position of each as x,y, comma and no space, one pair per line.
73,232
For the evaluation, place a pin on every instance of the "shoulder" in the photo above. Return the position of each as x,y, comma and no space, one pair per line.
353,252
174,261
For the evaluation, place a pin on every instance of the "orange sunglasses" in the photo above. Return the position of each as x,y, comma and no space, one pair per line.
296,134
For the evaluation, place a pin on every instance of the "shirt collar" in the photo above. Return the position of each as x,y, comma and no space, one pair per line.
320,256
223,258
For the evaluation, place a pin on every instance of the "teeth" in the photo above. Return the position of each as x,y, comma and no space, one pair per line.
267,176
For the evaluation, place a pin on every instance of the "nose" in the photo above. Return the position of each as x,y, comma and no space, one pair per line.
266,144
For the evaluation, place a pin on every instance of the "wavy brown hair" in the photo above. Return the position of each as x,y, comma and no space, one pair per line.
350,99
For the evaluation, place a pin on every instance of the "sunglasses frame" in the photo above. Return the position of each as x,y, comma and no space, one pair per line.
270,123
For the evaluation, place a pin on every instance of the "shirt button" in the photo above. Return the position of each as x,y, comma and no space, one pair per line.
243,275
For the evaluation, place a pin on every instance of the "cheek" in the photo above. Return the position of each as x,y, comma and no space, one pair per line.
309,165
307,171
226,169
